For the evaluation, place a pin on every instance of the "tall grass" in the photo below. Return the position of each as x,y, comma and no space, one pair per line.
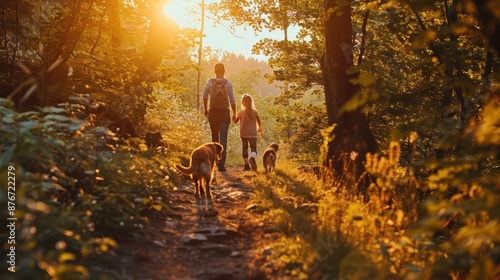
329,230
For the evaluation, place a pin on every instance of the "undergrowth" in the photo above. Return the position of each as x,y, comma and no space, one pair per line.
80,190
406,229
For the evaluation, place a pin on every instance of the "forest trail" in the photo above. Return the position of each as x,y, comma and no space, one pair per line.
223,238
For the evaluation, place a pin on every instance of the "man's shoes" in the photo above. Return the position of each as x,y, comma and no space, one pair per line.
247,167
222,168
252,163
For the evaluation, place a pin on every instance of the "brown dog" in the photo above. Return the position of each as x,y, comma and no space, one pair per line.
202,166
269,158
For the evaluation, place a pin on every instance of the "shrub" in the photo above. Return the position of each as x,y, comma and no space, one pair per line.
77,188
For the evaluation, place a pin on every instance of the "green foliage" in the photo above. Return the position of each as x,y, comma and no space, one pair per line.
295,60
461,219
289,53
327,227
294,256
77,190
307,122
171,115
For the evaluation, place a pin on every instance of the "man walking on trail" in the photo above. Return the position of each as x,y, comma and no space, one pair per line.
220,93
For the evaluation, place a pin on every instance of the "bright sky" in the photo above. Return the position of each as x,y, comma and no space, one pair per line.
218,37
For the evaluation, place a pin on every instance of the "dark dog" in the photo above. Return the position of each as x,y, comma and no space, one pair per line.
202,166
269,158
154,140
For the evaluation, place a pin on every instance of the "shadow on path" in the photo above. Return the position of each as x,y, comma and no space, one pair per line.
202,238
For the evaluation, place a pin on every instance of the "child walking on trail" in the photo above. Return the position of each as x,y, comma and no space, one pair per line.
249,126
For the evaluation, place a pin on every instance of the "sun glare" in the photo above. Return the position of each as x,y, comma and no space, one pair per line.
218,36
176,10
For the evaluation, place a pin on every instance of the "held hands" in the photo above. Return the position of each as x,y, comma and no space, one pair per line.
234,118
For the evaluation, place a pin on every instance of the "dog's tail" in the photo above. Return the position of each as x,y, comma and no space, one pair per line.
184,170
272,156
269,157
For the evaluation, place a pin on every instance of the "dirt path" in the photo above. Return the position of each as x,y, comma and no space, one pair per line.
219,239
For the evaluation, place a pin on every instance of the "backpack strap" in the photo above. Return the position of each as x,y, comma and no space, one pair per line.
217,81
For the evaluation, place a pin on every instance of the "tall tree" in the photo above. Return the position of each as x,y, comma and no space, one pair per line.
352,132
299,62
295,57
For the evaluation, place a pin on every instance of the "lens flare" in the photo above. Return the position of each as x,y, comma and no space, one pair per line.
177,11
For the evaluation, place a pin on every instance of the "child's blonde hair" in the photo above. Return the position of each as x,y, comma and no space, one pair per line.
247,102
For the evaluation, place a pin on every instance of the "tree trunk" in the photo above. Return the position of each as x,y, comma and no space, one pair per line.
113,10
490,23
447,146
200,57
73,25
352,132
16,45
